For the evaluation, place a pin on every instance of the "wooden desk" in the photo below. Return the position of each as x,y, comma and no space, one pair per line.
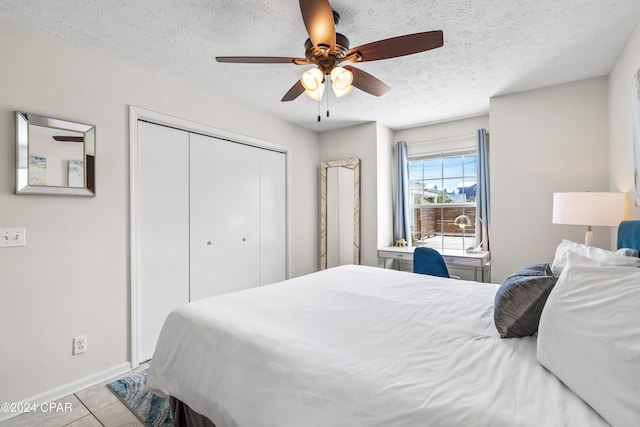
478,261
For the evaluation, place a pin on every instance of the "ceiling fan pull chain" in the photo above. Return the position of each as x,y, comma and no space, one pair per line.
318,110
327,103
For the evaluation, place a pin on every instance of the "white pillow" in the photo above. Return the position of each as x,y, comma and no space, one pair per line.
597,254
589,337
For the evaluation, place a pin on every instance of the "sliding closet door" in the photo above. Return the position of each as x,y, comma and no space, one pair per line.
209,218
273,214
225,207
162,229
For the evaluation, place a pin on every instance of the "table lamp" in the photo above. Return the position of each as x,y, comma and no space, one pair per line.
588,208
462,221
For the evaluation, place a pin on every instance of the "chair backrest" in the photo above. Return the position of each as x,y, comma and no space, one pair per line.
429,261
629,234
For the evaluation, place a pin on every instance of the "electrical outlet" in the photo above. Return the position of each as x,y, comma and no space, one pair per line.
79,345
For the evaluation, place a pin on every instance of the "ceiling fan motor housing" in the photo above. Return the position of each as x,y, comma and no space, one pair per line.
322,57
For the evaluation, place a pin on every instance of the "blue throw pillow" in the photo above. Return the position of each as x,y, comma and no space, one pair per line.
520,299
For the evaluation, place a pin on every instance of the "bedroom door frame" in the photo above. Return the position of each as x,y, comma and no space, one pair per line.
138,113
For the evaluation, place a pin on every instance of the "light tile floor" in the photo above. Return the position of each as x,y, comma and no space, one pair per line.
95,406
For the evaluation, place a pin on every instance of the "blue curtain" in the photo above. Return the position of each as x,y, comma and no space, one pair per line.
482,195
401,196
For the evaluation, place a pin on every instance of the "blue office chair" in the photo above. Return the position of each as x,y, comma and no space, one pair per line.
429,261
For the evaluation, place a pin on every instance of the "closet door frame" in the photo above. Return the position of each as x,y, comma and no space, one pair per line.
136,114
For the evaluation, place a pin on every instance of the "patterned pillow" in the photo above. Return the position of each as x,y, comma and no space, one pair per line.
519,301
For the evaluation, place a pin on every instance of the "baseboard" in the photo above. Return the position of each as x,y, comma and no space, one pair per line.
72,387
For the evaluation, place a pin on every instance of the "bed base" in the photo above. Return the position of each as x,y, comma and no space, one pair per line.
184,416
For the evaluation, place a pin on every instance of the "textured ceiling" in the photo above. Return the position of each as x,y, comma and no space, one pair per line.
491,47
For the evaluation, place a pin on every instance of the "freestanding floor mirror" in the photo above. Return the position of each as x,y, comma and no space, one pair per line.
339,213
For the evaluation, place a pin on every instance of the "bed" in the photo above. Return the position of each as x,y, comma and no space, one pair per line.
364,346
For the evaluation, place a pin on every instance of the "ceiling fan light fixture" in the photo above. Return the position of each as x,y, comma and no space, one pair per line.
313,83
316,95
341,80
341,92
312,79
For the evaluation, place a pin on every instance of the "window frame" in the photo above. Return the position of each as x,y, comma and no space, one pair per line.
464,207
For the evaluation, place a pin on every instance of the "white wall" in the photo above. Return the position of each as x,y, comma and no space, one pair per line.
72,278
372,143
544,141
444,131
358,142
621,91
385,154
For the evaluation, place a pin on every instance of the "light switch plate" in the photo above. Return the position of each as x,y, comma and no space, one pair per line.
10,237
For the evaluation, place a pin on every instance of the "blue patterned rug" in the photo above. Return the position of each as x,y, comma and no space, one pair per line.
150,408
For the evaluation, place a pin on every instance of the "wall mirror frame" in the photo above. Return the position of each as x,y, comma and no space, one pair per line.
54,156
339,213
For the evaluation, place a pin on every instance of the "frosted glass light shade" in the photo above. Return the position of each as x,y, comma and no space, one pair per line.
341,80
312,81
341,92
316,94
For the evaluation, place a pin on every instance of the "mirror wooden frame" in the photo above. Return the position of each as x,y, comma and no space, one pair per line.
80,169
353,164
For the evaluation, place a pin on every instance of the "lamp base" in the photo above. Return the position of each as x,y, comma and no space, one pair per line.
476,250
588,238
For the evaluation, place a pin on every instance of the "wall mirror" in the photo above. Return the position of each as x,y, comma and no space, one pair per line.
339,213
54,157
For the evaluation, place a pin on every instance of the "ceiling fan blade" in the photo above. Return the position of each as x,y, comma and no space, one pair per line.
368,83
397,46
69,138
318,20
295,91
259,59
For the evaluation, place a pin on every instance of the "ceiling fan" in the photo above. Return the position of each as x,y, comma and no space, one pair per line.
328,50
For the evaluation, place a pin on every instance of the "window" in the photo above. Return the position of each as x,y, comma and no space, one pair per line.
442,186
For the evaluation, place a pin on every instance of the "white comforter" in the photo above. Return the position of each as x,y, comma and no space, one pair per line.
358,346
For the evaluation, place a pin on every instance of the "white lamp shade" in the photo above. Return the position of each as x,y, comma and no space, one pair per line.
588,208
